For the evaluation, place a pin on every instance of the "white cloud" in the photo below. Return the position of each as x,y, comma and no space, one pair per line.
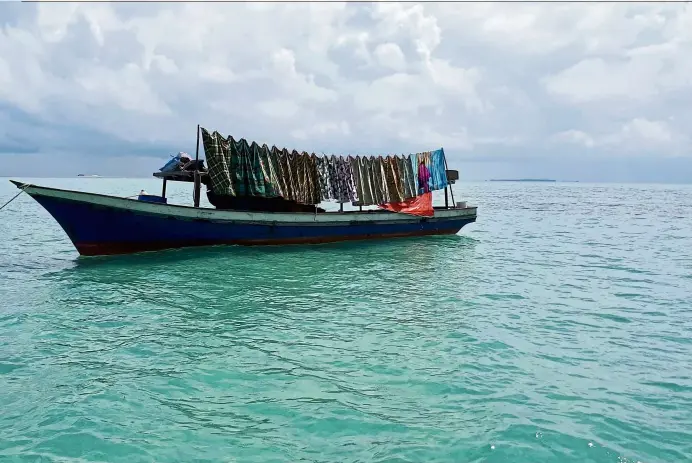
575,136
280,108
513,76
391,56
638,135
642,134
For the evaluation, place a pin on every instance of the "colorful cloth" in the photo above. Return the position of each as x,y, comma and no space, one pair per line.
218,156
408,180
323,174
237,168
365,173
363,180
420,206
345,189
357,179
423,172
392,180
307,185
438,170
271,184
378,187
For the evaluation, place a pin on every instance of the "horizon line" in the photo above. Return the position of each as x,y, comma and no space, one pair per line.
518,180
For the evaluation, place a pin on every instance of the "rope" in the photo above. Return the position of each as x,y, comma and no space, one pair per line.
28,185
15,196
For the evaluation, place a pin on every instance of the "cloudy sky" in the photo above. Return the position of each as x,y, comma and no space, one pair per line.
592,92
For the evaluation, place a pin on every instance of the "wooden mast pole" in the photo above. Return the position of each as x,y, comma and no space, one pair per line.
198,183
444,155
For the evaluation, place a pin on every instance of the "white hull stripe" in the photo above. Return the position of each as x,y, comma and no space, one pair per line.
193,213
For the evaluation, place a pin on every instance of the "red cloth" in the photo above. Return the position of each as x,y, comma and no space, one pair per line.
420,205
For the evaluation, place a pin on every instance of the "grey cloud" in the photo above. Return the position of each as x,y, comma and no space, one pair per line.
213,64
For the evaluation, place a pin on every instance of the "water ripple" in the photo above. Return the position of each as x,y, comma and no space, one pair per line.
556,329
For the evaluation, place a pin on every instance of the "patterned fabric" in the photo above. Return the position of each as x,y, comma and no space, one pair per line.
246,171
275,175
302,178
218,156
357,180
323,174
271,184
365,171
391,180
341,180
238,169
307,180
438,170
286,180
408,178
414,168
423,172
294,175
333,177
379,191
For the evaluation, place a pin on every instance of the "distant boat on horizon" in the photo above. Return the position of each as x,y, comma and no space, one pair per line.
82,175
522,180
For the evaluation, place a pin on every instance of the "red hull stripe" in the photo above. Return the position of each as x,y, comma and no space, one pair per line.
103,249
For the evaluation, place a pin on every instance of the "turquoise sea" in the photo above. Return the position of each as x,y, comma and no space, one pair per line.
558,328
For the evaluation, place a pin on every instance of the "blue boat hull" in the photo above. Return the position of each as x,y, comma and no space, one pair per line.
100,229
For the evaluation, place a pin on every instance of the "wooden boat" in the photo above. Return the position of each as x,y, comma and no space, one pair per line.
100,224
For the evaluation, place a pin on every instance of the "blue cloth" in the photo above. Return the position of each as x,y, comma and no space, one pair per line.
172,164
438,172
414,166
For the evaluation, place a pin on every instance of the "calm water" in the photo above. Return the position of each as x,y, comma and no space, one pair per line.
558,328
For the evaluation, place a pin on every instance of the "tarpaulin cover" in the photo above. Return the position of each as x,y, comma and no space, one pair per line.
420,205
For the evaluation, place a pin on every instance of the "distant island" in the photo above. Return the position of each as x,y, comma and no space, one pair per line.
522,180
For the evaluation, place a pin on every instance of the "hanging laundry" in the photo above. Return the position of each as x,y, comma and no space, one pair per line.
323,173
391,178
413,160
438,170
271,185
396,166
302,187
379,192
275,175
365,174
423,172
278,161
308,180
242,169
217,154
259,179
333,177
315,174
344,188
363,182
409,183
367,171
357,180
237,168
287,170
